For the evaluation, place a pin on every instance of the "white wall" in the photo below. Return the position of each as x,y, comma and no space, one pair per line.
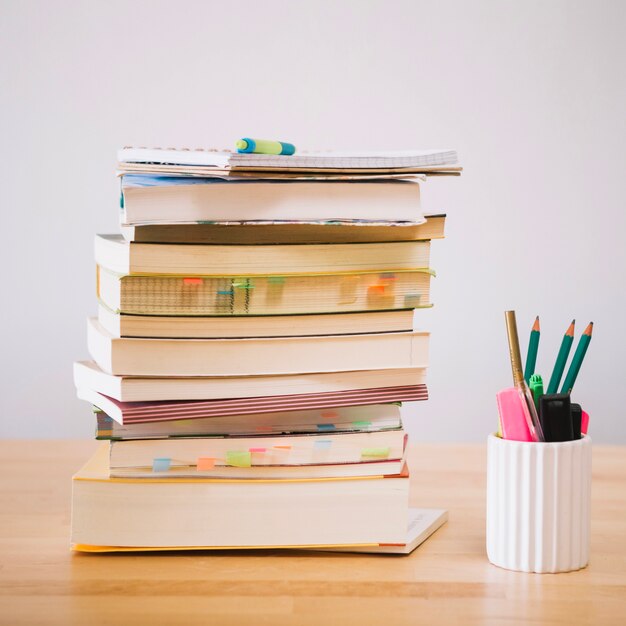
530,93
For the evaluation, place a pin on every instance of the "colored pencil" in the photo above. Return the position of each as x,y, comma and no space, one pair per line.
577,361
561,359
533,345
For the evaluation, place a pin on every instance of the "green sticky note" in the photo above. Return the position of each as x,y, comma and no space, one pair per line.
375,453
239,458
276,280
362,424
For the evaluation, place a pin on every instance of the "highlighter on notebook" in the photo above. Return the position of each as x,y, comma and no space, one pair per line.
534,427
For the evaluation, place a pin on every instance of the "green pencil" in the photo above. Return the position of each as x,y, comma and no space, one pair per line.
561,359
533,345
577,361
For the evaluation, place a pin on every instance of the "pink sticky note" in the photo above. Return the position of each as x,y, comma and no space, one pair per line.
584,423
513,415
259,450
205,463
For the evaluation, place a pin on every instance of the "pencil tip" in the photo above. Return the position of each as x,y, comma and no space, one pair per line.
570,329
536,324
589,329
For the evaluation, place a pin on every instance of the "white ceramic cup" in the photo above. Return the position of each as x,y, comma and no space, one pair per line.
538,504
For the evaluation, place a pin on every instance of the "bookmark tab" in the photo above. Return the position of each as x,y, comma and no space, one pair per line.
161,464
276,280
205,463
361,424
325,427
225,292
323,444
375,453
412,300
192,281
239,458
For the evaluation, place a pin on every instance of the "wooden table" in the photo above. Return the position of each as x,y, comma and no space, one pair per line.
447,580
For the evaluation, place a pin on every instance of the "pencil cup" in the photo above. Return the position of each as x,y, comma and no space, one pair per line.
538,504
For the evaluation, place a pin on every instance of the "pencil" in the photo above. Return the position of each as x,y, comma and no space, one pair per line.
533,345
577,361
561,359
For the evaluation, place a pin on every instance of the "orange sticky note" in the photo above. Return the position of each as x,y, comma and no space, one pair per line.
329,414
282,447
205,463
192,281
376,290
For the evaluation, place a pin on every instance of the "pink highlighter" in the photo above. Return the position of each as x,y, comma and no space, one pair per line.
515,417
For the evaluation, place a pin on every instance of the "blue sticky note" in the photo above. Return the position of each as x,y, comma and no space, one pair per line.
323,444
325,427
161,464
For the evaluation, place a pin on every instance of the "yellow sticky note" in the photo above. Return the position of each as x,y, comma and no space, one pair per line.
239,458
375,453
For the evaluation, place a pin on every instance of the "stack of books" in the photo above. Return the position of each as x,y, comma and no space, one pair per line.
253,345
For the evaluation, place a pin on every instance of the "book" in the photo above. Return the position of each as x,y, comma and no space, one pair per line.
422,523
259,232
241,357
360,418
128,388
158,513
147,199
381,161
263,295
286,456
123,325
117,255
155,411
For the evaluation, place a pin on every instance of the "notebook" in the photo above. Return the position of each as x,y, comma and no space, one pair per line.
379,160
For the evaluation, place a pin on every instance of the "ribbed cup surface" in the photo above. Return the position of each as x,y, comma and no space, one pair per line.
538,504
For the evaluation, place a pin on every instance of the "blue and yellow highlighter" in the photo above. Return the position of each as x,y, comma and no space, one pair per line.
264,146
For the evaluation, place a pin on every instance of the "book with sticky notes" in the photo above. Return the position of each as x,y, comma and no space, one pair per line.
226,296
255,343
322,454
221,512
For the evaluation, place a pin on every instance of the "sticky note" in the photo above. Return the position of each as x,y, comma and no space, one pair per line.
205,463
161,464
239,458
412,299
192,281
225,292
375,453
324,427
387,276
257,450
329,414
347,289
247,285
282,447
276,280
323,444
362,424
376,290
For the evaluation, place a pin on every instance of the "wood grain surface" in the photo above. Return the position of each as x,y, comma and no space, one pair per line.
447,580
